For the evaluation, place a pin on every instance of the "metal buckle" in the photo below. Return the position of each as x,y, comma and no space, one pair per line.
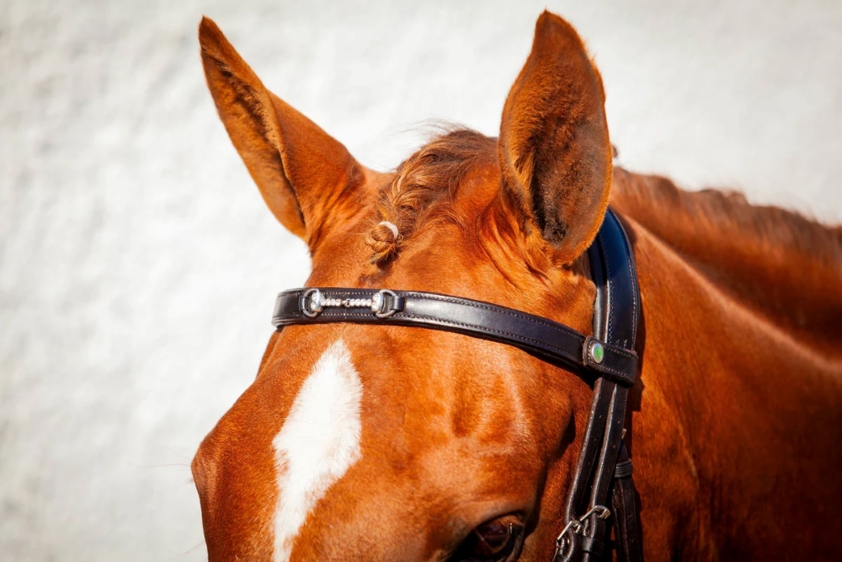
564,544
601,512
378,303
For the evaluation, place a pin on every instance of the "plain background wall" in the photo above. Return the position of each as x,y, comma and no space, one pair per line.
138,265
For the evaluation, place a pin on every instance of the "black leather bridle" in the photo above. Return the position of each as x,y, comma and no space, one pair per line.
608,360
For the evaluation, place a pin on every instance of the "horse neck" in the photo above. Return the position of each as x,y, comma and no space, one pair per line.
730,403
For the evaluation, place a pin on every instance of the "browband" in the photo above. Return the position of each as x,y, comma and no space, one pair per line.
552,341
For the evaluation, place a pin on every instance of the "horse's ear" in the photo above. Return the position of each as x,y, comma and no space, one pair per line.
303,173
554,150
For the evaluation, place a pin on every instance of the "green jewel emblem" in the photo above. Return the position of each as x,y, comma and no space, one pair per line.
597,352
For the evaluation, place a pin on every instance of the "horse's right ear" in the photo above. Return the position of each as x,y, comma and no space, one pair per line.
303,173
554,151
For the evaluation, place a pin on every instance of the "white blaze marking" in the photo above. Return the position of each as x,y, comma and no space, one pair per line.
318,442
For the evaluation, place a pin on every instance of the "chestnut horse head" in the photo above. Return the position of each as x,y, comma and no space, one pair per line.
365,442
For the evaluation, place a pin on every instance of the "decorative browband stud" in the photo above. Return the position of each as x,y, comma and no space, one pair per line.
383,303
596,351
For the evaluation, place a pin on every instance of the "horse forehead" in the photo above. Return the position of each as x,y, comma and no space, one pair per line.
317,443
367,452
362,409
404,389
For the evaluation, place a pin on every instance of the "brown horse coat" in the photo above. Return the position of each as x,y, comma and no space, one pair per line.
418,442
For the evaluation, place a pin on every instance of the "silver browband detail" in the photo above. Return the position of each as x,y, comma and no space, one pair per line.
313,302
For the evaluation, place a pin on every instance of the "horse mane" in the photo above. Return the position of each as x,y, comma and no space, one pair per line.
423,189
779,263
728,213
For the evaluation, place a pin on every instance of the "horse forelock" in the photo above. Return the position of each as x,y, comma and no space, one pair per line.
423,190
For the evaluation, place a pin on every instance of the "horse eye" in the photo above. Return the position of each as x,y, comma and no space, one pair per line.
497,540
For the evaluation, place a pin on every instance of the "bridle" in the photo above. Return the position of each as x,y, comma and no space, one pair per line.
608,359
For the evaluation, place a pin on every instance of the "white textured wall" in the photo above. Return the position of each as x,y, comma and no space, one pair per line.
138,265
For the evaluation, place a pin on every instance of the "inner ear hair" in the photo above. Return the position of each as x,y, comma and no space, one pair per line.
554,151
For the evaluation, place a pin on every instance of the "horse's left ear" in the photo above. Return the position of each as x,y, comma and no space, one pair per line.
308,179
554,150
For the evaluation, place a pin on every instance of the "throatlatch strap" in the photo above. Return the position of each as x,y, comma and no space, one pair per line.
626,525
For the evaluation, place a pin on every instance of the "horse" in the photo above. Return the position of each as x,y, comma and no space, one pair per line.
384,443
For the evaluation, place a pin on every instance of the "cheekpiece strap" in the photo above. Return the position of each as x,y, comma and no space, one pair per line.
598,480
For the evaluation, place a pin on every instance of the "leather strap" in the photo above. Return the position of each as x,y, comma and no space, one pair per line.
616,314
550,340
626,525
